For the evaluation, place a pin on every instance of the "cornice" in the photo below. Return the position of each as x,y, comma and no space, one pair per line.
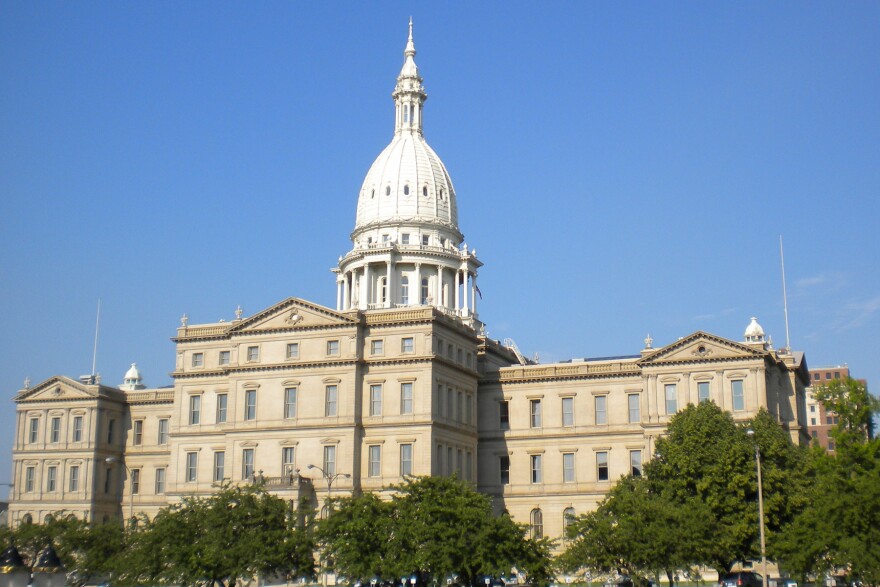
261,368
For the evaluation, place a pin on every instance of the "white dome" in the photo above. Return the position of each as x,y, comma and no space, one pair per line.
132,380
754,332
132,373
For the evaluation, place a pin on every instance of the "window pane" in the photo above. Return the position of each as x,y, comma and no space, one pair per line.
247,463
330,460
535,413
375,400
601,409
406,398
195,409
504,415
739,402
290,397
192,463
635,463
163,431
568,467
703,391
568,411
671,399
288,460
602,466
375,464
331,398
221,407
536,469
219,466
293,350
250,404
634,412
504,469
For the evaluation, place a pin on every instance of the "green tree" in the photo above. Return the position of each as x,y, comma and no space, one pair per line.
855,407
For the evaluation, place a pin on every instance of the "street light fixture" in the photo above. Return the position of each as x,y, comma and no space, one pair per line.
329,478
751,434
114,461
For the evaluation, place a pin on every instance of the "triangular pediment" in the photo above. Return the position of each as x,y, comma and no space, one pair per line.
700,346
58,388
292,313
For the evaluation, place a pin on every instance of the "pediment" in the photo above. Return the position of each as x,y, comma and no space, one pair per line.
58,388
700,346
292,313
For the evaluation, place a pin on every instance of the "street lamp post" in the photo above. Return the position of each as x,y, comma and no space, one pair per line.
114,461
751,434
329,478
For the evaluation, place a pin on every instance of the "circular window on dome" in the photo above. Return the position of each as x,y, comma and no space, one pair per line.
425,191
406,190
388,190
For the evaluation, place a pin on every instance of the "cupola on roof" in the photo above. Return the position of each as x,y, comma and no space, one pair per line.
754,331
408,183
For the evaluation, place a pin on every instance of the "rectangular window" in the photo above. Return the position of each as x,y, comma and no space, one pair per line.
406,457
222,402
739,400
34,430
250,404
29,474
108,478
247,463
407,345
77,428
375,400
468,409
601,403
568,411
135,481
536,468
375,462
671,398
828,421
504,415
290,400
224,357
195,409
293,350
450,463
450,400
377,347
568,467
458,402
219,466
198,359
404,238
160,481
634,408
192,466
406,398
73,481
137,433
331,399
253,353
814,434
703,391
812,409
468,466
812,421
51,479
332,347
426,239
535,413
288,460
635,463
163,431
55,430
602,466
504,470
111,425
329,460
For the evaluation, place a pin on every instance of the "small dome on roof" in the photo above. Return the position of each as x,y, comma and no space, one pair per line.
132,379
754,331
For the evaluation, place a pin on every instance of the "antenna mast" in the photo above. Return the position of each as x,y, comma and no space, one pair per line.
784,296
95,350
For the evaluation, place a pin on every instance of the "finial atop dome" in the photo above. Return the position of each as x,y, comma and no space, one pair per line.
410,50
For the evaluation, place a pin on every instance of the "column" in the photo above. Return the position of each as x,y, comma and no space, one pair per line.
418,283
389,286
457,282
365,288
339,280
438,298
474,293
464,291
346,291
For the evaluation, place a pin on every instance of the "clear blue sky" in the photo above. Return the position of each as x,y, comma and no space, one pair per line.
621,168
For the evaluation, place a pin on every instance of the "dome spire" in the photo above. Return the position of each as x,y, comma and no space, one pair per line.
409,95
410,50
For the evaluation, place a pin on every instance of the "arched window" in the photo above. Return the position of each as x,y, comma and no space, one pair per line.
425,191
441,193
537,524
48,519
404,290
406,190
27,519
424,299
383,289
568,516
373,194
325,512
387,190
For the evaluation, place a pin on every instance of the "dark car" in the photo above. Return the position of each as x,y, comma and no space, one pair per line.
742,579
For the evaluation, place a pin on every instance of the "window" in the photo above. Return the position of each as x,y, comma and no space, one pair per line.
135,481
831,445
568,467
814,434
602,466
404,290
407,344
293,350
375,400
160,481
504,469
634,411
195,409
535,413
375,461
426,239
450,464
468,409
568,411
703,391
450,400
247,463
329,460
222,400
828,420
290,397
77,428
377,347
34,430
192,466
73,480
425,191
253,353
224,357
812,409
111,424
828,376
568,516
536,526
406,460
198,359
635,463
423,298
459,466
739,401
331,398
288,460
406,398
332,347
812,421
406,187
250,404
219,466
108,477
137,433
601,402
163,431
404,238
504,415
458,403
536,468
51,479
450,351
29,474
459,356
671,401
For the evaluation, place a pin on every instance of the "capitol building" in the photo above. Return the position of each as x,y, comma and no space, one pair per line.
398,379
